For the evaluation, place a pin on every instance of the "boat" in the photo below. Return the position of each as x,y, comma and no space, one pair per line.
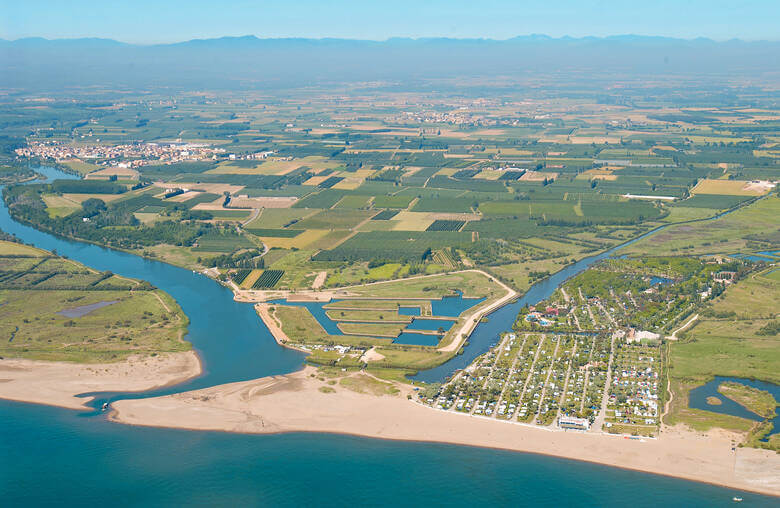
736,499
105,406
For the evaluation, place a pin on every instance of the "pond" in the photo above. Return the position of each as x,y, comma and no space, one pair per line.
83,310
417,339
447,305
698,399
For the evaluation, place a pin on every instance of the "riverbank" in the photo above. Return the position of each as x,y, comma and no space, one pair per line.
59,383
281,338
305,401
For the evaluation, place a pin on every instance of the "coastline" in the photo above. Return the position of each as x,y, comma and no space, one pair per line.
297,403
60,383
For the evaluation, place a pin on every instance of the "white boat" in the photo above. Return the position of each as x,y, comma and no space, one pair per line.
105,406
736,499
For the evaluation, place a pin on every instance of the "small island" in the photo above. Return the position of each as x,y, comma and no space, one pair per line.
758,401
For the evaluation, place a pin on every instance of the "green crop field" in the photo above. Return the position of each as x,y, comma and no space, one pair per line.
275,233
335,219
446,225
268,279
392,201
393,245
385,215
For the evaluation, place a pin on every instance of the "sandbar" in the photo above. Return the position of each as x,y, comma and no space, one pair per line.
58,383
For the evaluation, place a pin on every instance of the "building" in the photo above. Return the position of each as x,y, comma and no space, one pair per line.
724,276
640,335
573,423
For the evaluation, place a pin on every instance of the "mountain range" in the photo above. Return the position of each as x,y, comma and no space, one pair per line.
249,61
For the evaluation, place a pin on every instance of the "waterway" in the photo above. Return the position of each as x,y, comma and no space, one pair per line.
53,456
446,307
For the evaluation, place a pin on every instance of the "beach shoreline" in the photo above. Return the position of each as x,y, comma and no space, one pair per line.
61,383
295,402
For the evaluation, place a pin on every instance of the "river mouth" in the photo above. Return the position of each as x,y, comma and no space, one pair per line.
93,460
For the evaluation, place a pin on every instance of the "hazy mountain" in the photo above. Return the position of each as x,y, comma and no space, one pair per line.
36,63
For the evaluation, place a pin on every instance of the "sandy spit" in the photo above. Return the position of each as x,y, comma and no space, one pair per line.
296,403
58,383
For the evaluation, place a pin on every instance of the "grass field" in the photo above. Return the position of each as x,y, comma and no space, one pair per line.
372,329
367,315
222,243
726,347
81,167
472,284
137,322
353,202
727,234
758,401
412,221
383,305
358,273
392,201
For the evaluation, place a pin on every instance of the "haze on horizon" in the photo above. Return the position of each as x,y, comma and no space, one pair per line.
149,22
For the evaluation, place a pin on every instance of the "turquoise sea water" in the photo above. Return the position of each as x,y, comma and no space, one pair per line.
51,456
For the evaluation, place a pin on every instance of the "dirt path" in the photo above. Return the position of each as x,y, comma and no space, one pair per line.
509,377
688,323
597,424
565,382
587,375
167,309
528,377
492,366
255,213
473,319
547,379
319,280
668,390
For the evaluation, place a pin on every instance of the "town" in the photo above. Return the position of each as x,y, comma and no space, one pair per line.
583,360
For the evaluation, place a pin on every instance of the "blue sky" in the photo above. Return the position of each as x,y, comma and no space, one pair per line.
145,21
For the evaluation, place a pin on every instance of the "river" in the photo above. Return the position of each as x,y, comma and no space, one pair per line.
53,456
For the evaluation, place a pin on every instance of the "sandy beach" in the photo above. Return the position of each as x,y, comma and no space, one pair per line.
58,383
302,402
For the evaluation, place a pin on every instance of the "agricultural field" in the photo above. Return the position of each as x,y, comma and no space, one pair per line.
528,198
390,195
